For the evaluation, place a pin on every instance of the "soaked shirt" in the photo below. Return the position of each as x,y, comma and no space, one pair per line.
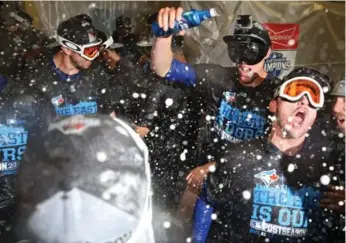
234,112
22,118
261,194
87,92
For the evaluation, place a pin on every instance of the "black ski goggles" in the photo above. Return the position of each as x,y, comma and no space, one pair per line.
245,49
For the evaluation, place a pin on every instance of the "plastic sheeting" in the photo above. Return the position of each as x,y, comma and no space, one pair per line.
103,13
322,26
322,31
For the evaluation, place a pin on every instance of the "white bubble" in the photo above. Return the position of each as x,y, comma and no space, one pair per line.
135,95
106,196
290,167
325,180
101,156
186,68
172,127
246,195
341,203
169,102
324,149
258,157
214,216
55,82
44,89
325,89
222,160
291,42
331,168
103,91
324,164
188,240
166,224
220,185
212,168
180,115
143,96
288,127
298,156
208,118
93,5
183,155
340,135
122,101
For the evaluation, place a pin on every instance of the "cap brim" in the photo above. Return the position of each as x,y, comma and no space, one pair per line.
228,38
53,44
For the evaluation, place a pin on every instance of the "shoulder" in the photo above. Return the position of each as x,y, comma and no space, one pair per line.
209,69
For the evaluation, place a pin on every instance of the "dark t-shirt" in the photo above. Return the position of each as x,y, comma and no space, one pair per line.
22,117
261,194
87,92
233,112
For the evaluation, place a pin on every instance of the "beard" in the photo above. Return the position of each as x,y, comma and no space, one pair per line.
75,64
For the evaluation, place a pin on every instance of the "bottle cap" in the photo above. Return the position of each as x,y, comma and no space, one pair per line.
213,12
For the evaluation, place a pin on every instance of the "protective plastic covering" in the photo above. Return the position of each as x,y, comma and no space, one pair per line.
103,13
321,24
321,40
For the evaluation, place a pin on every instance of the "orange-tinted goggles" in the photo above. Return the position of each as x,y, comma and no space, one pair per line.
92,51
294,89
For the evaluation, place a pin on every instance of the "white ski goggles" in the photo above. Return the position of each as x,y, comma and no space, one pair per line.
88,51
294,89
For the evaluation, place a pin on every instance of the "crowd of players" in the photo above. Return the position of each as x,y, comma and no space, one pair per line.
236,154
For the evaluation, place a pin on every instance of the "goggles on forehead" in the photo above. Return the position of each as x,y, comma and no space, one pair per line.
294,89
88,51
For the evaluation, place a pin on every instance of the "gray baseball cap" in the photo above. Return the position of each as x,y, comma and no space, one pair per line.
339,88
87,179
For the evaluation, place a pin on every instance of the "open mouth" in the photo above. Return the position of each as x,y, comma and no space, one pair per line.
340,120
298,117
244,69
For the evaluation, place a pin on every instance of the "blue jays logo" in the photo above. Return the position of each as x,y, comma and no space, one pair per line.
277,63
268,177
229,96
58,101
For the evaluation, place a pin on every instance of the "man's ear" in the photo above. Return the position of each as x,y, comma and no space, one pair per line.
268,53
66,51
273,106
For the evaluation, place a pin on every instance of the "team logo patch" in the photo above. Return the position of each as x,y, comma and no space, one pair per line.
75,125
229,96
268,177
277,63
58,101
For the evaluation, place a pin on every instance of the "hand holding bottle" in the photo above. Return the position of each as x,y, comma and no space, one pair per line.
174,21
167,17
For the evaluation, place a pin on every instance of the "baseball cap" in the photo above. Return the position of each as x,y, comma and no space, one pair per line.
78,29
252,29
87,180
14,17
339,88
